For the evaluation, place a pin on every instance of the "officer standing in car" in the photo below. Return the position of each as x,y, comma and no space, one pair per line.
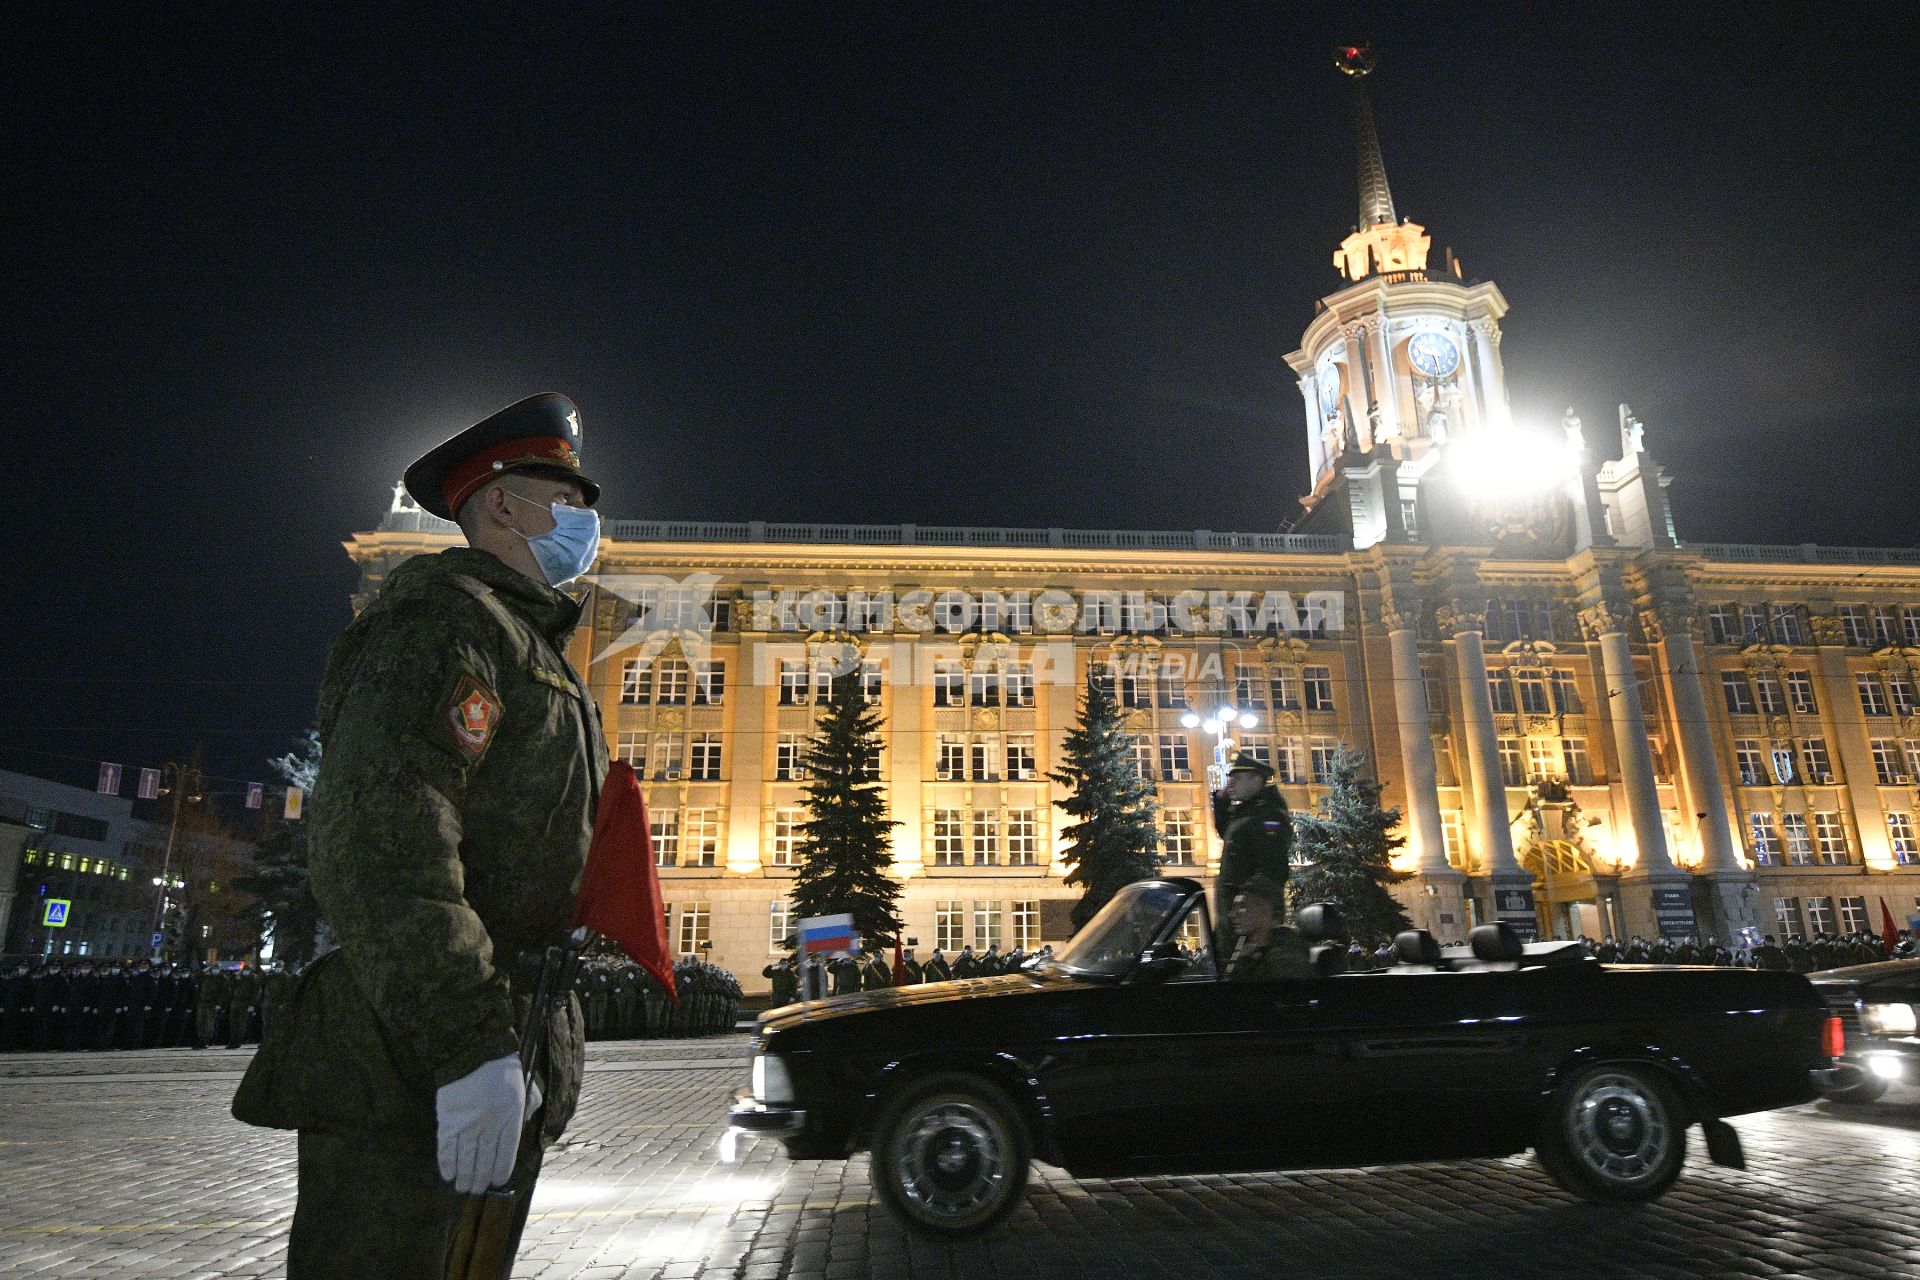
1257,834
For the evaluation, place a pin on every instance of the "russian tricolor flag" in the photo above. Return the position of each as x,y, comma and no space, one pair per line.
828,934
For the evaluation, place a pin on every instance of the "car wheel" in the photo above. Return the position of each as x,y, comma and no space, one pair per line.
950,1154
1614,1134
1870,1089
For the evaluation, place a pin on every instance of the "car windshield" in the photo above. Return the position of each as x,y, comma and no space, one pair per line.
1112,941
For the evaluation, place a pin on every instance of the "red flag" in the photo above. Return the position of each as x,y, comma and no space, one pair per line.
899,963
620,888
1887,930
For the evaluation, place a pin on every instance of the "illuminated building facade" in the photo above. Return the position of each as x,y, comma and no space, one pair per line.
1590,726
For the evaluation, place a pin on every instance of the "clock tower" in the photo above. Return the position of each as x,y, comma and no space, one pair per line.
1398,362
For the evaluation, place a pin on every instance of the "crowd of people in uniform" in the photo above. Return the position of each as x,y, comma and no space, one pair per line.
870,969
70,1003
63,1003
622,1001
1797,954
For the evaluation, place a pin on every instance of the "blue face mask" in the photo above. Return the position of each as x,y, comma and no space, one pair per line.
568,549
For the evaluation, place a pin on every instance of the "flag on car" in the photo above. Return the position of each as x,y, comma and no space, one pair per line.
620,888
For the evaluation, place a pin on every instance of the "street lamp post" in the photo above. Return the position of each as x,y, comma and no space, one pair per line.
183,782
1219,723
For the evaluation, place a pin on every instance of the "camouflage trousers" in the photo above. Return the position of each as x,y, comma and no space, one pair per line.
372,1206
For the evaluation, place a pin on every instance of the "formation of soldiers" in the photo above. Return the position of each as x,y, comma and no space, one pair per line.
1797,954
622,1001
870,969
64,1003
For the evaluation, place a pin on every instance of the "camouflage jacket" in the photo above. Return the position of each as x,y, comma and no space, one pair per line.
1285,956
463,758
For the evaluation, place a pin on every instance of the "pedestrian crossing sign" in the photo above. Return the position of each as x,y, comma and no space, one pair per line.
55,916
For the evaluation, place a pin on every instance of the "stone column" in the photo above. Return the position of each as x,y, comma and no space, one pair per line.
1386,384
1492,829
1840,721
1316,427
746,761
1734,888
1608,624
906,748
1443,900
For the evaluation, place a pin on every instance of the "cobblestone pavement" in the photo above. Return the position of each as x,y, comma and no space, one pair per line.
128,1165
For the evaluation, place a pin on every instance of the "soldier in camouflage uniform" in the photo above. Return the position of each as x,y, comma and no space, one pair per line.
1265,951
450,824
1257,837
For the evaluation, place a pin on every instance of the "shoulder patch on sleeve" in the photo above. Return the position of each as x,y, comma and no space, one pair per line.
472,716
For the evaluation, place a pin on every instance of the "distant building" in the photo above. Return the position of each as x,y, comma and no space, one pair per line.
1591,726
78,876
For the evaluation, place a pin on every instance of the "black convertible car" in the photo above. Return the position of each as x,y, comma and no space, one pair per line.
1128,1054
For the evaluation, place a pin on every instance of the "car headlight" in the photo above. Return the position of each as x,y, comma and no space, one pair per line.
1887,1019
771,1083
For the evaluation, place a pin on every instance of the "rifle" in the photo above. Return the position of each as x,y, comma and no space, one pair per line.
482,1243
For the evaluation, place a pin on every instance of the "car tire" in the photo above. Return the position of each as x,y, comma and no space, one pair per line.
1870,1089
951,1154
1614,1134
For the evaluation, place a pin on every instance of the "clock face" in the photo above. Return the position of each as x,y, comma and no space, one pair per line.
1433,354
1329,390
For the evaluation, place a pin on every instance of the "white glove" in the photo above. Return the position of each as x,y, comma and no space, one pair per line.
479,1125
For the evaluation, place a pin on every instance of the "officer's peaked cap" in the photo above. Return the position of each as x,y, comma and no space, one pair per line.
538,434
1244,763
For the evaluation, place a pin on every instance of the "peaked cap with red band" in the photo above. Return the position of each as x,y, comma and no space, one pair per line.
540,433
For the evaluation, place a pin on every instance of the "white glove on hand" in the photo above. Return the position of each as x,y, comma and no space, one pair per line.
479,1125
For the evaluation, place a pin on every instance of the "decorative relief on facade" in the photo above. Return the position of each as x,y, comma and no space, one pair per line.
1459,617
986,718
1828,630
1605,619
1401,614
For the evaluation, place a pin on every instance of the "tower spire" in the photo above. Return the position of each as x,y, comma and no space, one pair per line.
1381,242
1376,198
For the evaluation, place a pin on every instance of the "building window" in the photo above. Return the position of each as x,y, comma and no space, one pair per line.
1436,694
664,826
1020,684
1566,693
1830,839
1285,688
694,930
1888,768
983,755
1579,768
1900,690
948,926
1799,843
1910,627
1820,915
793,682
1257,745
1873,699
1136,689
986,838
1176,840
779,926
1853,623
950,760
1023,838
1913,757
1322,760
1169,690
1883,628
670,684
983,687
1543,759
1533,693
1800,693
1289,760
1723,625
949,684
1773,701
1739,695
949,840
1020,761
1763,841
1900,837
1813,756
632,748
1787,912
1026,924
790,757
1173,758
1453,838
636,682
1512,772
710,687
786,835
706,757
1750,762
702,838
986,925
1853,915
872,679
1500,692
1143,758
1317,683
666,754
1249,690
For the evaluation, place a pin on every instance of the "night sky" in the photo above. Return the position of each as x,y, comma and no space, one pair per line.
971,264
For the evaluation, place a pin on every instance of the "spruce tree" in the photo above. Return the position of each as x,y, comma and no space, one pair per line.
1115,840
1346,845
846,844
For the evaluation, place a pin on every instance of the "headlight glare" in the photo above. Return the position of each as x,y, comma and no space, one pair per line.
771,1083
1887,1019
